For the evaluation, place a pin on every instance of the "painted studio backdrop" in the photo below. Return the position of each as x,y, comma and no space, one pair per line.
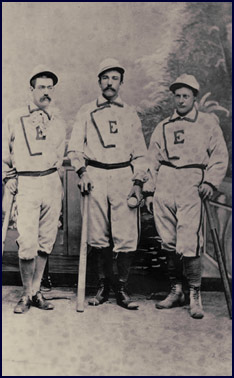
155,41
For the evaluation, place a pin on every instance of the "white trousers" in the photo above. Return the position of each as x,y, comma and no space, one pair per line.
39,205
178,210
108,213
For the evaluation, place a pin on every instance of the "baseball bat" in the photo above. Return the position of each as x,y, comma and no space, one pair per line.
222,267
83,258
6,220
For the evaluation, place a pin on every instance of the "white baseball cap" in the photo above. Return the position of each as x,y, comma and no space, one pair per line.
110,64
42,69
185,80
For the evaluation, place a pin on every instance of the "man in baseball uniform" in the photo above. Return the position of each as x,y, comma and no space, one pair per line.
107,150
33,149
188,160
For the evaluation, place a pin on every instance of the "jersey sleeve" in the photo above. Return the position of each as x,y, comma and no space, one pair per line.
154,158
218,153
75,150
61,144
7,142
139,151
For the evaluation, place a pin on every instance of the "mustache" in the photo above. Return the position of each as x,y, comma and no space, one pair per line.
109,87
44,98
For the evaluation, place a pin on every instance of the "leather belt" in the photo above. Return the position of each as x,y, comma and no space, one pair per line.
169,164
98,164
37,173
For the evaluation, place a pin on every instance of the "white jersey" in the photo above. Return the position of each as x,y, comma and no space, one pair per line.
33,145
183,153
109,133
33,140
194,139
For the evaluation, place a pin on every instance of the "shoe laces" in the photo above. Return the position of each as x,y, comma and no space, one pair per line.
123,288
38,296
196,293
46,280
101,286
174,290
23,299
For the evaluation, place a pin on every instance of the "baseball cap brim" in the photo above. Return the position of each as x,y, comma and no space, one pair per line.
46,73
119,69
177,85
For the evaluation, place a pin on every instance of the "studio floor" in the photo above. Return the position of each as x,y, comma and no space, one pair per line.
111,341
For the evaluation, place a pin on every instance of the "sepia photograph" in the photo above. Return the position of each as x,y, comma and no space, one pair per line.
116,188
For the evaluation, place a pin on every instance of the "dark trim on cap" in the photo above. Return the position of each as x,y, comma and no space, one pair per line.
120,70
175,86
45,73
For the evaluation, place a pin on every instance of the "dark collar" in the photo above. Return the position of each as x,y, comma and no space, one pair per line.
190,117
102,101
33,108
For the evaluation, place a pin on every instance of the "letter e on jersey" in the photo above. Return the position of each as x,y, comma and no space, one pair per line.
178,136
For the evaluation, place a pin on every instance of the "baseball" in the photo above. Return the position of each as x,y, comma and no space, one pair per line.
132,202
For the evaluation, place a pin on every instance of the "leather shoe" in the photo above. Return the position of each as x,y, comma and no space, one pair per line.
23,305
39,301
102,293
124,300
46,284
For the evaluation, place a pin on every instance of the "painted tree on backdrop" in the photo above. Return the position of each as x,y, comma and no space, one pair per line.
203,49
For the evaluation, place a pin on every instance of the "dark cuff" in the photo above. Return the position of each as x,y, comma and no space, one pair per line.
7,179
211,185
139,183
81,171
43,253
148,194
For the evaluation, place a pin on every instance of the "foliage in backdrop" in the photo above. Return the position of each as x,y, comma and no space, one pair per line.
203,49
155,41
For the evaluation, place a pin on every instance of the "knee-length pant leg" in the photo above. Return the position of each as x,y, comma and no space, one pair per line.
189,225
109,214
50,211
125,221
165,208
38,204
28,202
165,222
178,210
98,210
